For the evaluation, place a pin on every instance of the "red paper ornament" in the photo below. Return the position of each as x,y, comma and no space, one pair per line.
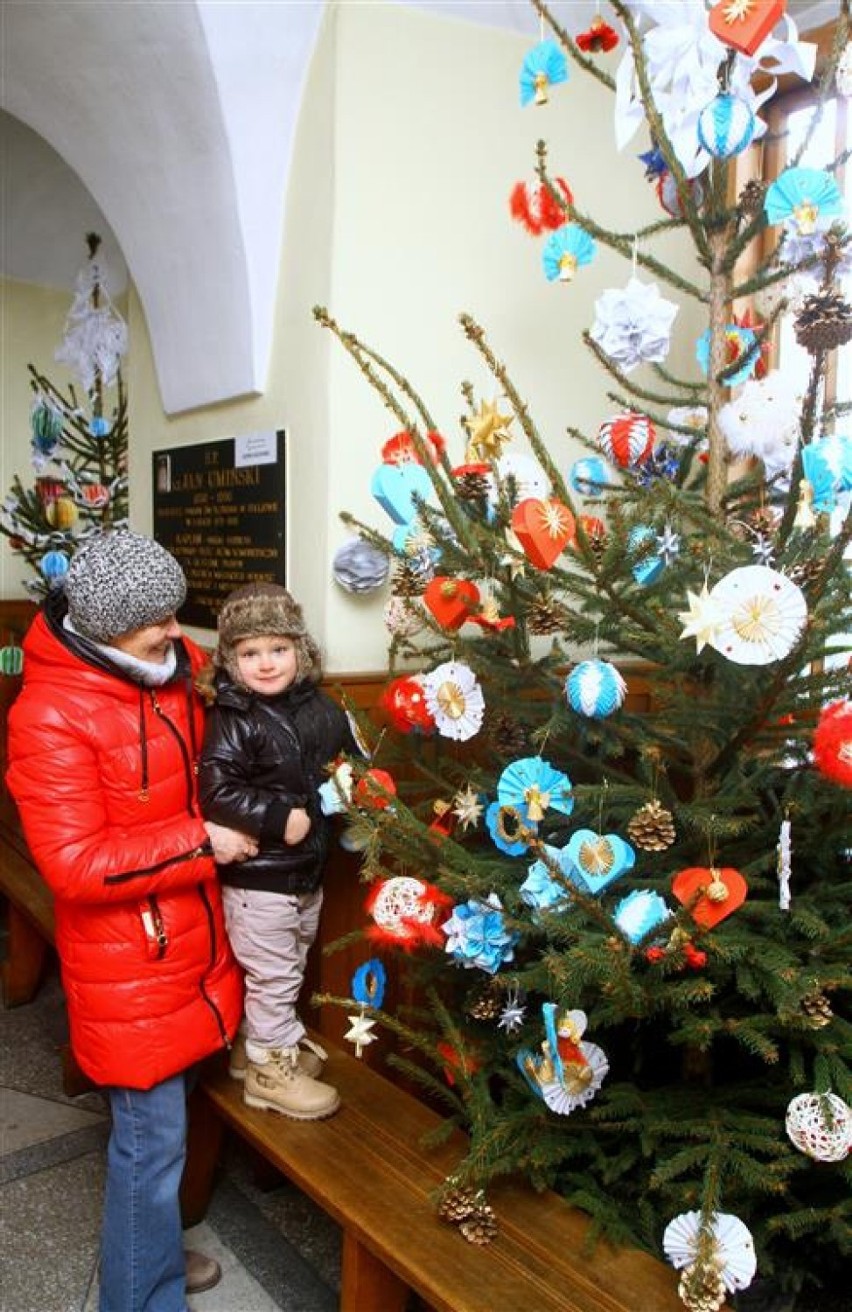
404,703
598,37
833,743
371,789
451,601
537,208
457,1064
723,889
544,529
627,439
95,495
748,319
745,24
400,449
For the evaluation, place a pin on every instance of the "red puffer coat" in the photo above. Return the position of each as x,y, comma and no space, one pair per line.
103,773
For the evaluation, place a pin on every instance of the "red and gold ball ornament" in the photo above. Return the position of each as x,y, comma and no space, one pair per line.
832,745
451,601
627,439
404,703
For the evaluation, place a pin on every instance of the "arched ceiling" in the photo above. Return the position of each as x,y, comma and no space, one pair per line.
171,129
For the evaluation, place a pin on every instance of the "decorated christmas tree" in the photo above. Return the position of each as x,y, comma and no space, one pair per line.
605,824
79,439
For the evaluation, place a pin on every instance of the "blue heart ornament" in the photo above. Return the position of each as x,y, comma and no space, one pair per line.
597,860
396,486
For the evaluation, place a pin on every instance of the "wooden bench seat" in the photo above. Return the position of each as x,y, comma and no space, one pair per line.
29,925
369,1168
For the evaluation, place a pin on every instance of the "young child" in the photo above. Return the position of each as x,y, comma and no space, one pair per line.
270,735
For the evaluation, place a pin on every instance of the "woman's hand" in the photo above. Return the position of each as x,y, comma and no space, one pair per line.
229,845
298,826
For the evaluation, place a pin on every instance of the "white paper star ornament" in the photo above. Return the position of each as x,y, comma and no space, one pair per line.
703,619
360,1032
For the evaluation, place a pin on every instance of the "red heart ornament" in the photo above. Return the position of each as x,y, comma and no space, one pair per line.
723,890
543,528
451,601
745,24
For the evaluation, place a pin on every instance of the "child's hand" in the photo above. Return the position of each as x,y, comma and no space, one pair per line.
298,826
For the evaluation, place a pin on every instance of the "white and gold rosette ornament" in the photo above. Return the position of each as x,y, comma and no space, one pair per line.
764,614
455,700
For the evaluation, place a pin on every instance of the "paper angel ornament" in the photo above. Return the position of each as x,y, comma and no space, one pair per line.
544,66
565,251
804,200
534,787
568,1071
633,324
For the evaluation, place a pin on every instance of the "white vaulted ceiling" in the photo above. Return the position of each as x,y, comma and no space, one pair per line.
169,128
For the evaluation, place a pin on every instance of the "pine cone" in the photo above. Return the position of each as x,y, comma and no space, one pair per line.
701,1288
481,1227
817,1008
751,198
824,322
487,1002
408,579
652,827
507,736
806,572
546,615
459,1204
472,487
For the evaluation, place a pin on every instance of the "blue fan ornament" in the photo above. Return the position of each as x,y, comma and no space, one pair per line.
744,343
648,566
565,251
639,913
540,890
506,826
368,983
54,565
477,935
533,786
827,465
591,476
725,126
805,200
595,688
544,66
45,427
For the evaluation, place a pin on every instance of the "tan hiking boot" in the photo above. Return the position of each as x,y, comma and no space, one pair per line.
281,1085
312,1057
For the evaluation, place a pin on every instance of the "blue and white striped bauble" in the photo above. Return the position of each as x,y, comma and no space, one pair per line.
595,688
725,126
54,565
591,476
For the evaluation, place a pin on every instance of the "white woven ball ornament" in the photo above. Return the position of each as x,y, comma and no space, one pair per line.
627,439
725,126
820,1125
404,617
400,899
595,689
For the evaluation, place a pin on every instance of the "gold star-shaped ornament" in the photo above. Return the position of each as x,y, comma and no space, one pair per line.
467,808
737,10
513,562
360,1032
704,617
488,436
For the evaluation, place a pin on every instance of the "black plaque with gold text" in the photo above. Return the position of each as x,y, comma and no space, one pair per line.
222,517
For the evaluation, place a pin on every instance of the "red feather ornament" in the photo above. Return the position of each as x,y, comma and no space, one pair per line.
407,913
833,743
537,208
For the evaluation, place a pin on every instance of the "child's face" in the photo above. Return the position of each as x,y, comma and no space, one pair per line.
267,664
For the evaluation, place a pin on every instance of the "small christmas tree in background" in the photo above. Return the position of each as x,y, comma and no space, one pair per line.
629,933
79,440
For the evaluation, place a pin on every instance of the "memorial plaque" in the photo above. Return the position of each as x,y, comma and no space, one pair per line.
219,508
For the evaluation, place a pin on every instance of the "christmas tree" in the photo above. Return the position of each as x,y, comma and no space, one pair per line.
79,439
625,934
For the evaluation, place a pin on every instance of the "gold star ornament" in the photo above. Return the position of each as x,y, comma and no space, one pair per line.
487,430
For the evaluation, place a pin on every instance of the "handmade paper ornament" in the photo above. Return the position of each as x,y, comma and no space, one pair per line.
598,38
534,787
633,324
54,565
94,495
722,890
764,421
397,488
745,24
468,807
627,439
565,251
641,912
671,199
591,476
336,793
595,688
455,700
98,426
477,935
401,449
541,890
544,66
832,743
451,601
360,1032
740,345
820,1125
568,1071
544,528
509,831
597,860
359,567
48,489
403,617
703,620
375,790
404,703
536,208
765,613
46,422
62,514
643,547
488,432
827,465
369,982
725,126
804,200
95,336
11,659
406,912
731,1246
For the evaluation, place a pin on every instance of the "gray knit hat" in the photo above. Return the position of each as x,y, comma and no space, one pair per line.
120,581
257,609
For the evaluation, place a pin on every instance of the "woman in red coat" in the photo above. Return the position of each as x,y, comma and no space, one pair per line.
103,741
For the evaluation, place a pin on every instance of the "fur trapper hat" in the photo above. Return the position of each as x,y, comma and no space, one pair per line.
258,609
119,581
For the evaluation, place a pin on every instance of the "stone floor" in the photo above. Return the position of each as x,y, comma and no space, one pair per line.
278,1252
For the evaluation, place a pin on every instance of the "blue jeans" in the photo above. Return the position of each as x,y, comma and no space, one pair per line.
142,1261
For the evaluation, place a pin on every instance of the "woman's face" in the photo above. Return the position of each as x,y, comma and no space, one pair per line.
151,643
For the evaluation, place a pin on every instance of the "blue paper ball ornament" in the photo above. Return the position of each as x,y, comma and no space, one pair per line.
595,688
725,126
54,565
649,567
591,476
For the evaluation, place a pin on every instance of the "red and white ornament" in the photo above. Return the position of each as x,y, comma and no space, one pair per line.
407,912
535,207
832,743
627,439
820,1125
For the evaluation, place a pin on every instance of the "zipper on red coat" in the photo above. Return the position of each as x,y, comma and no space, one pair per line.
202,893
189,771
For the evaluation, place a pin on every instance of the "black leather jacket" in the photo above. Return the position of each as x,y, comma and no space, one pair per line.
262,756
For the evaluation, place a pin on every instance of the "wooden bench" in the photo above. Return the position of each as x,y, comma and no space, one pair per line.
369,1168
29,925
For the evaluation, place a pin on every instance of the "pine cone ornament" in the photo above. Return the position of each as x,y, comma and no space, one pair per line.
487,1003
701,1288
751,198
472,487
481,1227
805,573
507,736
546,615
458,1204
824,322
652,827
409,579
817,1008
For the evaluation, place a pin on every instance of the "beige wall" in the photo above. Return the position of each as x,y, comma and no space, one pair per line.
410,139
